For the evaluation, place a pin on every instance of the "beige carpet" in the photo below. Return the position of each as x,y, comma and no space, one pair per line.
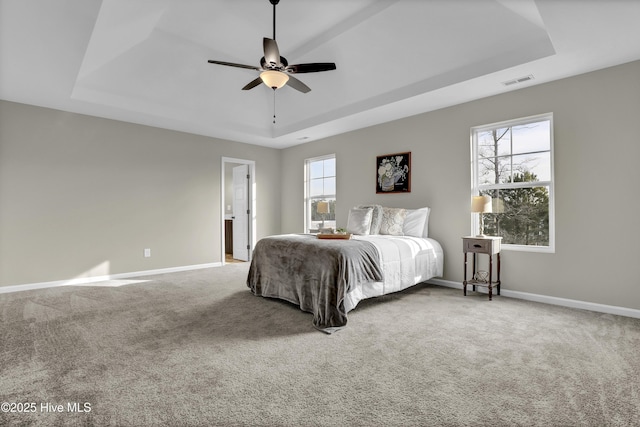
197,349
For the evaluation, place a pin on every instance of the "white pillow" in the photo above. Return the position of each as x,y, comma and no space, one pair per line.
416,223
425,232
359,221
392,220
376,217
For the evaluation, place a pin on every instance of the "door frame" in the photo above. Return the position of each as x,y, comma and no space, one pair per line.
252,202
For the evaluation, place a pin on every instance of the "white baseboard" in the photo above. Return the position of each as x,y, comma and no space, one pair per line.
86,280
583,305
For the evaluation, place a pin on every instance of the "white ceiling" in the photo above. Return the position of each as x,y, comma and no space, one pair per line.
145,61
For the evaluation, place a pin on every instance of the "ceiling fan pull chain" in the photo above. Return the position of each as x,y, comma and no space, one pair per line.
274,105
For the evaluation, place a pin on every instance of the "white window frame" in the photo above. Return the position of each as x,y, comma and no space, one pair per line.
308,224
476,187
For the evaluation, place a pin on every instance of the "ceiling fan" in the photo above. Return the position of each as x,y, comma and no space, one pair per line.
275,70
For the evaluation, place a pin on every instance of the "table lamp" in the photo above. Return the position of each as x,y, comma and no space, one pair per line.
322,208
480,205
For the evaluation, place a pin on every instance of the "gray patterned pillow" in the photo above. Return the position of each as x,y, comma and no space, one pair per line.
376,218
392,221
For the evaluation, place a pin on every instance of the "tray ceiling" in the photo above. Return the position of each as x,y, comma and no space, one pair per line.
145,61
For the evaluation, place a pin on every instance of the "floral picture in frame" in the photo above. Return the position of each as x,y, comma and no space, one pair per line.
393,173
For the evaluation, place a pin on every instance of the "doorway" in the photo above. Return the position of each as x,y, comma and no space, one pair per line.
237,204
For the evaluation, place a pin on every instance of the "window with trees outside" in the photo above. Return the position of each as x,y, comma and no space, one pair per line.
320,193
512,162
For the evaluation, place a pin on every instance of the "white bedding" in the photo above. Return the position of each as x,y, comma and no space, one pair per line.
405,261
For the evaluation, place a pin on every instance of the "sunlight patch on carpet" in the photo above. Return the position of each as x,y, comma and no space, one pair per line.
111,283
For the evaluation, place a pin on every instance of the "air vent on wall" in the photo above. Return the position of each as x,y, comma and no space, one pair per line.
518,80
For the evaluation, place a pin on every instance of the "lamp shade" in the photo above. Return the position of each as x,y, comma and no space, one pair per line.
481,204
322,207
274,79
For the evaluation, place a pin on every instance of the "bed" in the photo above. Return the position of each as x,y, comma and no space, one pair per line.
389,251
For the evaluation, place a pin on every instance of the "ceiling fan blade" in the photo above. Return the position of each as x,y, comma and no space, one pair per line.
311,68
252,84
271,52
232,64
298,85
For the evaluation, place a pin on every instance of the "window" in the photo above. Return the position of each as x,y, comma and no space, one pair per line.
320,193
513,163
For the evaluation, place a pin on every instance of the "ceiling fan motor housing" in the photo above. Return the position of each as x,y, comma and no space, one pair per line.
273,66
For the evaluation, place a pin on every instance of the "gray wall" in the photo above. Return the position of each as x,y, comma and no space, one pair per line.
83,196
597,150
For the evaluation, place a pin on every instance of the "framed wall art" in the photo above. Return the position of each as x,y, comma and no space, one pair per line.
393,173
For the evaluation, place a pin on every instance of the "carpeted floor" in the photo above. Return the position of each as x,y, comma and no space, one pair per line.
197,349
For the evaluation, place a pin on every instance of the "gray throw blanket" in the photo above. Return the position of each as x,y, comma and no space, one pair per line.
312,273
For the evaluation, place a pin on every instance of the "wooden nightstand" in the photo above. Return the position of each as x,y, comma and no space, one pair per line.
489,245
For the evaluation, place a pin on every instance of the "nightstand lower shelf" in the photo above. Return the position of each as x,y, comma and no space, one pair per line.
490,287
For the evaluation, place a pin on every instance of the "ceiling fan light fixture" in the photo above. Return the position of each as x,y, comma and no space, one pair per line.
274,79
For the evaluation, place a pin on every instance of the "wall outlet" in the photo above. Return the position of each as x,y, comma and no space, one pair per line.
147,253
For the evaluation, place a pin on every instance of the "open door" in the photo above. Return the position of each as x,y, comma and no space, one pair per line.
241,213
238,203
